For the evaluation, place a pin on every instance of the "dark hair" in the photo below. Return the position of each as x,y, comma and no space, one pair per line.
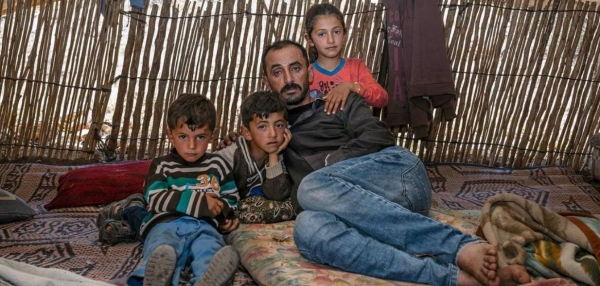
278,46
194,109
311,17
262,104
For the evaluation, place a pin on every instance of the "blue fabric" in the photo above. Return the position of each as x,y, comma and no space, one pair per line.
141,4
256,191
135,281
367,215
193,240
134,215
339,67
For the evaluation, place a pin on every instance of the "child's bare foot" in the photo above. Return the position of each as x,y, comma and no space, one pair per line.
513,275
480,260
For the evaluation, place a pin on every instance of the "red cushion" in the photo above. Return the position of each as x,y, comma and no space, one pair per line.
100,184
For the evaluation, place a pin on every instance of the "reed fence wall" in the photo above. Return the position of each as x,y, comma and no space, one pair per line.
528,76
80,85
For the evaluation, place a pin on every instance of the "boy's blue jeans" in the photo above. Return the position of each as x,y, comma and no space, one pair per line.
195,242
367,215
134,215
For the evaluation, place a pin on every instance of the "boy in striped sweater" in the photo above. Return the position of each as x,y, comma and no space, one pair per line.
191,196
262,181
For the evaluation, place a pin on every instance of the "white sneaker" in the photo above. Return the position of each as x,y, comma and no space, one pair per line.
160,266
221,269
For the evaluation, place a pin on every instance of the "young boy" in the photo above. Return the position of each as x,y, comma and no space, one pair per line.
190,196
258,170
260,176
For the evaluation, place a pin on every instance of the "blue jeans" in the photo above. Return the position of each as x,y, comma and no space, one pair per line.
368,215
134,215
194,241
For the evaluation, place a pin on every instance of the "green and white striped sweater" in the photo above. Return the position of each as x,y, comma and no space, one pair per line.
175,188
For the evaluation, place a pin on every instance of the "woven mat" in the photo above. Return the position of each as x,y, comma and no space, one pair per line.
67,238
462,186
64,238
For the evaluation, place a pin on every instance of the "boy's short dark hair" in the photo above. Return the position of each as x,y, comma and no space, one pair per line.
194,109
262,104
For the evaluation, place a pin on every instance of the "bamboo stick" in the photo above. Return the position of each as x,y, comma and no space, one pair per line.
150,71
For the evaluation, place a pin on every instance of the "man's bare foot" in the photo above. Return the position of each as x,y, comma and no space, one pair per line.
513,275
465,279
480,260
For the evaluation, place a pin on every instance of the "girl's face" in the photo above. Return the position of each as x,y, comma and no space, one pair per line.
327,36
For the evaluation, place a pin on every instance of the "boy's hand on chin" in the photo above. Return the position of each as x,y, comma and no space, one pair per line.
287,136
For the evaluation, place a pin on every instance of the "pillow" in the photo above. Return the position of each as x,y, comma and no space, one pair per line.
100,184
258,209
13,208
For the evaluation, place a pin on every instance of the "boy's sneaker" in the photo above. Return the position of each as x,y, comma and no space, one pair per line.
221,269
160,266
115,231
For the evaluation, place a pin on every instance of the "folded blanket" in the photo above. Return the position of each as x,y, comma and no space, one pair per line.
19,273
551,244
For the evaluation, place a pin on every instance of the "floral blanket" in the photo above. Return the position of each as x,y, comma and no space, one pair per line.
547,243
270,255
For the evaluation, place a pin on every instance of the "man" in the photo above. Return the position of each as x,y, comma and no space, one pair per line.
363,200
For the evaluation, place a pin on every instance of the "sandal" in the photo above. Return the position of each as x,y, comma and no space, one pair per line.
115,209
120,231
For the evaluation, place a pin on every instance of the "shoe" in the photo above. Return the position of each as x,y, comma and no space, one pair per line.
221,269
160,266
114,210
115,231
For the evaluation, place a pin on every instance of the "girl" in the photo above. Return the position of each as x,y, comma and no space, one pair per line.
334,75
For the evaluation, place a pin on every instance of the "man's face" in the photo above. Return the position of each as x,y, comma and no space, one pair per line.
288,74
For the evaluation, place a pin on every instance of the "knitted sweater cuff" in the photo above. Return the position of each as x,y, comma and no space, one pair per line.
274,171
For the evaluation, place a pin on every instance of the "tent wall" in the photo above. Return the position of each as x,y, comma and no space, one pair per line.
80,85
528,77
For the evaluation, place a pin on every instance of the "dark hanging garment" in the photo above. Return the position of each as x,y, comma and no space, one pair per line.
419,74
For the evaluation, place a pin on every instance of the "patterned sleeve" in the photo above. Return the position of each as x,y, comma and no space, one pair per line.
229,194
373,93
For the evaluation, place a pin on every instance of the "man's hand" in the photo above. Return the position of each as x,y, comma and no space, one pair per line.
336,97
229,225
227,140
215,205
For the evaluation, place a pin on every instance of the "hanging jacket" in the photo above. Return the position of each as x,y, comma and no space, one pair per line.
419,74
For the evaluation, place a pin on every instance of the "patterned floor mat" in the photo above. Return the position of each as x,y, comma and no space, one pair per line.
67,238
64,238
462,187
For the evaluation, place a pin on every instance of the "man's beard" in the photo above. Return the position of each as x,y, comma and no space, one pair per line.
293,100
